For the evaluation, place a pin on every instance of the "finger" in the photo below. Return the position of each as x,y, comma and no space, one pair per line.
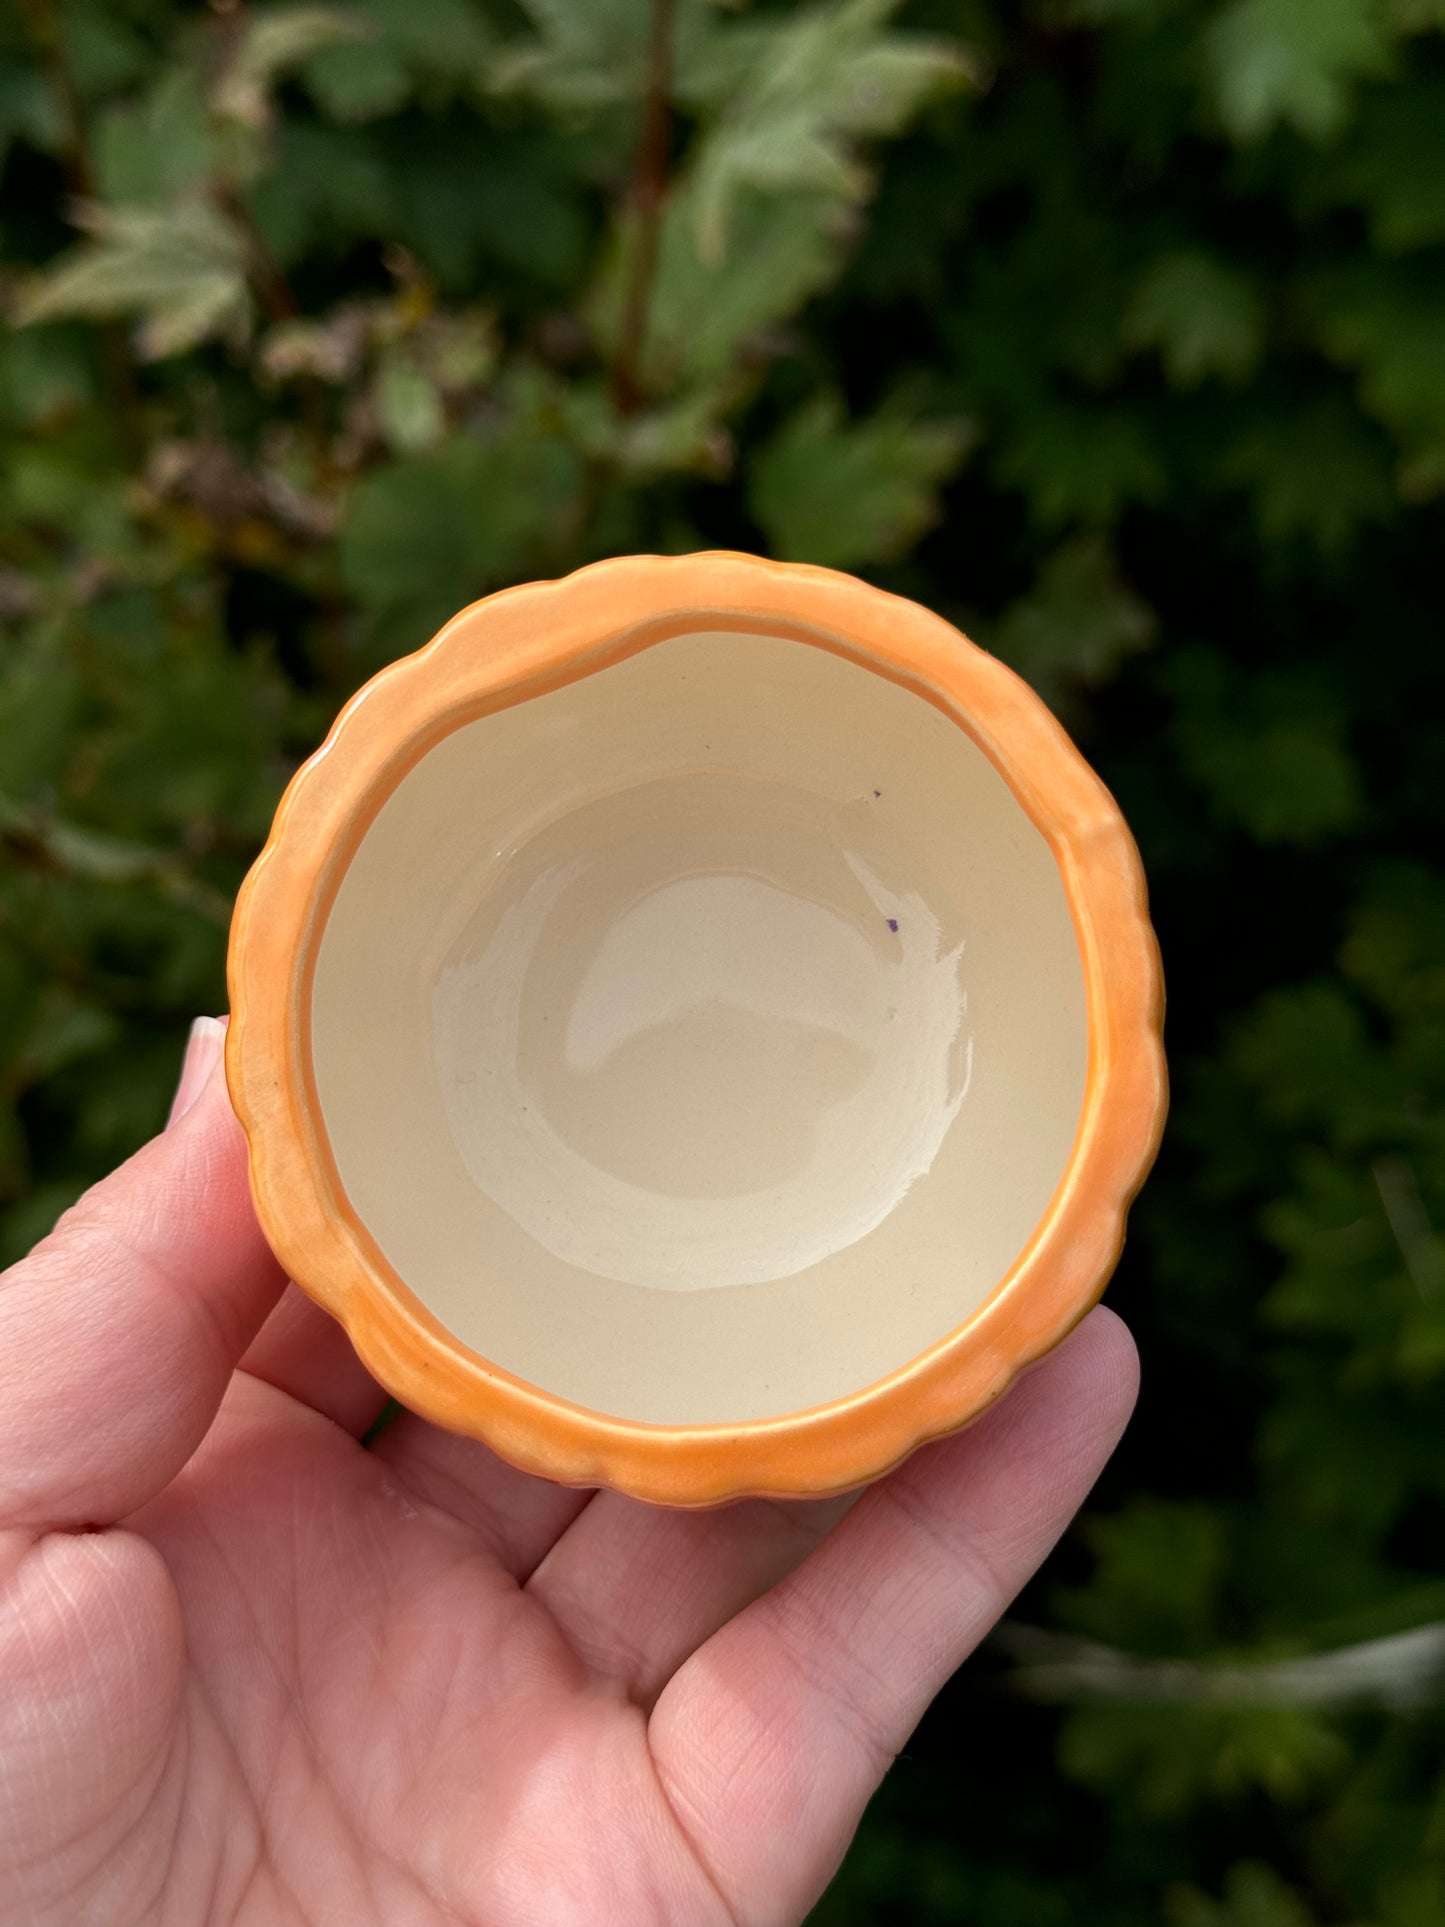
204,1045
770,1740
518,1517
120,1330
302,1351
636,1588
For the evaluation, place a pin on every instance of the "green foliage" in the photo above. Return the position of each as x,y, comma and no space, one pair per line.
180,269
1203,318
1292,63
1268,749
1255,1896
1111,328
795,95
1077,624
843,493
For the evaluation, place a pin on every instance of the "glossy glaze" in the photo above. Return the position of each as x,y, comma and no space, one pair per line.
511,652
723,1045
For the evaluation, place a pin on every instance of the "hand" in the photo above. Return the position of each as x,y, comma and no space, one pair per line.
253,1672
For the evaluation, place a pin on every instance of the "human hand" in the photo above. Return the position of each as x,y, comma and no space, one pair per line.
252,1671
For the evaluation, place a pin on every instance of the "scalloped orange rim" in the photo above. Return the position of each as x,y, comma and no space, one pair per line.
520,643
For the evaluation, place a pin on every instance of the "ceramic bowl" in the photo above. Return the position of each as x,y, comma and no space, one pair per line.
697,1026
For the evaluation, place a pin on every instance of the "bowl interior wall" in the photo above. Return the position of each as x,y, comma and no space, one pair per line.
704,1039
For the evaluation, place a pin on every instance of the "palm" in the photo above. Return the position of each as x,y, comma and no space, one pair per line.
406,1684
366,1669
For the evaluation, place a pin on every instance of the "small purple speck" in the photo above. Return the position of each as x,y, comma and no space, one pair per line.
877,792
893,925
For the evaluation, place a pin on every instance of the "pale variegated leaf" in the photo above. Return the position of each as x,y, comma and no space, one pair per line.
179,270
794,97
582,53
272,44
408,407
704,315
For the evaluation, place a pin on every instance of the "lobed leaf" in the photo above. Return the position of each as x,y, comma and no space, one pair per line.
180,270
272,43
1292,63
844,493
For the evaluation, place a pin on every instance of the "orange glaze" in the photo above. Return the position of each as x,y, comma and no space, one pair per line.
519,643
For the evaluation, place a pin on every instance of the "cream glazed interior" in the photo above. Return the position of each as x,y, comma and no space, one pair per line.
703,1040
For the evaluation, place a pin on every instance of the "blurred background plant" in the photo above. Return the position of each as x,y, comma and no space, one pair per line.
1114,329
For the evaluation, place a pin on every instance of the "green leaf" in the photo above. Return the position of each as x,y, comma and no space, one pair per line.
29,111
1180,1760
62,1029
1270,750
1388,326
1077,626
442,48
1255,1896
583,54
425,535
1416,16
1203,317
684,437
41,708
1168,1560
1316,472
706,317
798,95
1395,944
447,42
1393,162
1099,13
1292,63
358,81
1079,464
157,148
45,376
408,407
96,857
272,43
103,49
471,199
1413,1896
181,270
843,493
194,736
326,190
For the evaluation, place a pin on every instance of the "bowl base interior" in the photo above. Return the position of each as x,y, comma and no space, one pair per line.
705,1031
702,1040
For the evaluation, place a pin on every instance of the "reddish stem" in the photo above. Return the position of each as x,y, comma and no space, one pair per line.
649,191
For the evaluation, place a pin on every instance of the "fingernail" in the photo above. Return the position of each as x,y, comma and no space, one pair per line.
203,1051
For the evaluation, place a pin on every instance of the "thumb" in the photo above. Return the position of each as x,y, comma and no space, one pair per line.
119,1332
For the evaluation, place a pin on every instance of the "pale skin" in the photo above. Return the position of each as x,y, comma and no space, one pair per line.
253,1671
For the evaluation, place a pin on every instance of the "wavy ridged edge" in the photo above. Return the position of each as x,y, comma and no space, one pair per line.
516,644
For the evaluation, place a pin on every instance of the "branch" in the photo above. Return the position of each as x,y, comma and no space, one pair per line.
264,271
46,843
1399,1191
1401,1671
649,191
43,24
